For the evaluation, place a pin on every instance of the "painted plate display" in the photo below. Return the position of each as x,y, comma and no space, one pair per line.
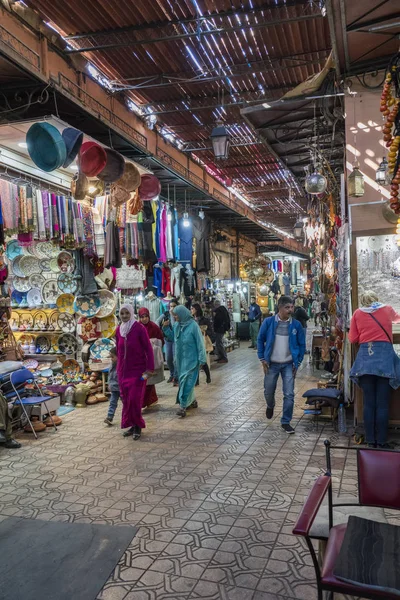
16,266
13,249
89,329
46,249
71,367
21,284
45,264
29,265
46,373
14,321
108,326
30,363
66,322
53,320
87,306
54,265
65,303
67,343
17,297
36,280
50,292
26,321
101,348
40,321
34,297
66,262
67,283
44,365
43,344
108,304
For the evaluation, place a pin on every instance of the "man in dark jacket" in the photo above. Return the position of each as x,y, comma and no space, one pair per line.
301,315
222,324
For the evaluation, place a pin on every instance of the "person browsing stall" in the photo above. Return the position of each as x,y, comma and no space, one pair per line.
255,319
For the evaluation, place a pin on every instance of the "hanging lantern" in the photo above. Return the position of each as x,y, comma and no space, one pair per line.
315,183
382,175
355,183
298,230
220,141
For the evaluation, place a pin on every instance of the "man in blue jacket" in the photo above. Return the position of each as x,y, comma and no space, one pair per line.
280,347
254,318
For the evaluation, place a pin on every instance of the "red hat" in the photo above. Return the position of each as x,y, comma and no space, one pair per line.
150,187
92,159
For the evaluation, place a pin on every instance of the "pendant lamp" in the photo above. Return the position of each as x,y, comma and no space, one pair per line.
220,141
355,183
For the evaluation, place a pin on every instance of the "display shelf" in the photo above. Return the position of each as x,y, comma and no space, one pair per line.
37,331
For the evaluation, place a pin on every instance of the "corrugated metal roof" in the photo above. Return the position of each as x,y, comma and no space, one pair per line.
245,52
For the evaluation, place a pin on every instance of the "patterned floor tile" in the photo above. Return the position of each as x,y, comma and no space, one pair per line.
207,590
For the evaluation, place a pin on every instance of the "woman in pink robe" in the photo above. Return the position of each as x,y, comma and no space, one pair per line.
135,364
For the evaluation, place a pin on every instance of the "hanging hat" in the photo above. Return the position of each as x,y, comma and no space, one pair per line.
73,139
114,168
130,180
79,186
92,159
150,187
119,196
46,146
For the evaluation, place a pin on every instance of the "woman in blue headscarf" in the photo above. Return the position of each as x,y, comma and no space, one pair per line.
190,354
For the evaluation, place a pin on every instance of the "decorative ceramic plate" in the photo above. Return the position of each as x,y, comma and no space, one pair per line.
45,249
26,321
101,348
40,321
30,364
50,292
43,344
46,373
108,326
66,322
67,343
14,321
17,297
26,339
87,306
67,283
71,367
16,267
36,280
21,284
108,303
65,302
45,264
13,249
66,262
44,365
53,320
34,297
54,265
89,329
29,265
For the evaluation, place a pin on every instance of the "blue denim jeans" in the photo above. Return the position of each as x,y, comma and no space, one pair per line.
169,355
376,392
270,382
114,397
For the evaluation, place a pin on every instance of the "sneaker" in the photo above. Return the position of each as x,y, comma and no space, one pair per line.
288,428
208,380
176,383
222,361
108,421
269,413
129,432
12,444
181,413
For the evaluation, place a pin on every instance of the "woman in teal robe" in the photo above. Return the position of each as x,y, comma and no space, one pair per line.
190,354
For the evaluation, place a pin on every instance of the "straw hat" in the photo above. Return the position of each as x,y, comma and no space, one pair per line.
114,168
46,146
130,180
73,139
79,186
92,159
150,187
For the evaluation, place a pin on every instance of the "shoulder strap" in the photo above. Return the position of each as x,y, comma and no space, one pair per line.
381,326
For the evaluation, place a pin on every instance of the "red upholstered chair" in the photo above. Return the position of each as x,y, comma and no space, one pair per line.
379,485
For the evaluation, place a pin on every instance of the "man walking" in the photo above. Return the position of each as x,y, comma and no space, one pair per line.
222,324
254,318
281,347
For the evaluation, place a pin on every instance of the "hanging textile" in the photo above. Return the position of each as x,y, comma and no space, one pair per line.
169,234
147,237
202,232
157,280
176,234
163,234
166,280
112,252
185,242
88,230
10,206
175,281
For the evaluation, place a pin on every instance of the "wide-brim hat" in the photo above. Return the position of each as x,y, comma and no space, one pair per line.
150,187
92,159
115,167
119,195
73,139
130,180
46,146
79,186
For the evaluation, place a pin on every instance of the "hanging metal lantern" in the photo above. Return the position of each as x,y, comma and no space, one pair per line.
355,183
220,141
382,175
298,230
316,183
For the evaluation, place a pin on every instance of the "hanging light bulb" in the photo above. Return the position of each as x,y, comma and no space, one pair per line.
201,214
186,220
315,183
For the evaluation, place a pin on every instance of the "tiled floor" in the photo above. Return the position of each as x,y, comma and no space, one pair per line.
215,495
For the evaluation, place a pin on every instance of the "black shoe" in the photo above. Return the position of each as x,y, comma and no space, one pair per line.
194,404
137,433
181,413
128,432
251,346
13,444
2,437
208,380
269,413
170,380
288,428
108,421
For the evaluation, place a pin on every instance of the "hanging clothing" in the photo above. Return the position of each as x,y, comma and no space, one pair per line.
163,235
185,242
166,280
176,234
153,306
135,357
188,281
175,281
154,224
190,353
202,232
158,228
157,280
169,235
147,235
112,251
286,284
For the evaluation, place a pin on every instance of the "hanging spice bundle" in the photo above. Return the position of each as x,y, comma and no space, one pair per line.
390,109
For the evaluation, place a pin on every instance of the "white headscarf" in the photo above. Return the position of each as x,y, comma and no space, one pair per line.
125,328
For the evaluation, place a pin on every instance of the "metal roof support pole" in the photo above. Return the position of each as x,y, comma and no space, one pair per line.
331,23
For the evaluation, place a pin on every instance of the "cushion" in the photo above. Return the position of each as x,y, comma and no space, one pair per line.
8,366
323,393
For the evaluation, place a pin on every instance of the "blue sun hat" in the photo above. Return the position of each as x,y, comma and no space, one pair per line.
73,139
46,146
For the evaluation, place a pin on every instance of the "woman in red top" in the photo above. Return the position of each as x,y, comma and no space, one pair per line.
376,368
154,332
